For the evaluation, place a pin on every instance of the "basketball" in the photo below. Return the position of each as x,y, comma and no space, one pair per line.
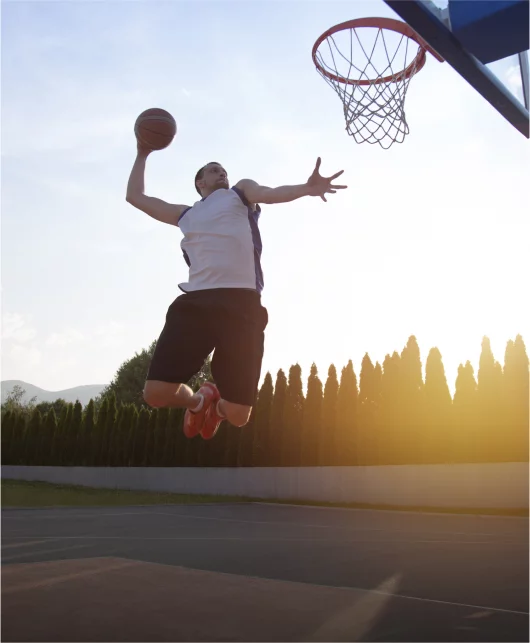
155,128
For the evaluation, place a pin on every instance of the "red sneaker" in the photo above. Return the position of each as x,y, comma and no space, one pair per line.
212,419
193,422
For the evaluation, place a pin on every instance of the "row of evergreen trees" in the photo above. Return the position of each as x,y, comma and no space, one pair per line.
390,416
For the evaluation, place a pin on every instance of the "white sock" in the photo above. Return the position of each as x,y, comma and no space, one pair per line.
199,405
218,409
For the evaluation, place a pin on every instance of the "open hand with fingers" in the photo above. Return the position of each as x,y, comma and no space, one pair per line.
320,185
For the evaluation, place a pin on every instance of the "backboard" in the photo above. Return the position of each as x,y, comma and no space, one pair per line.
502,82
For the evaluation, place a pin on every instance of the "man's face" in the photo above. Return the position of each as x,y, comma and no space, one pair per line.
214,177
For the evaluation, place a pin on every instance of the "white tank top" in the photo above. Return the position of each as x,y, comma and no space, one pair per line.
222,243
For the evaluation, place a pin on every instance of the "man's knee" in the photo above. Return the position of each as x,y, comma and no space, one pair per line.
153,397
159,394
237,414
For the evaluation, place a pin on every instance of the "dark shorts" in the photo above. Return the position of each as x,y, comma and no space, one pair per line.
230,321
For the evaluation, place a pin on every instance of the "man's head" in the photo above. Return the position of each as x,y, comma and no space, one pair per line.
211,177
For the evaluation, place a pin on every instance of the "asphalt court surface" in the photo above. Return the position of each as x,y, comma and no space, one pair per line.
244,572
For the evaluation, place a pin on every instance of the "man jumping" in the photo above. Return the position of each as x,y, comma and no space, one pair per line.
221,308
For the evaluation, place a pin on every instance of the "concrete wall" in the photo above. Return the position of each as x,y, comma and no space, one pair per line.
503,485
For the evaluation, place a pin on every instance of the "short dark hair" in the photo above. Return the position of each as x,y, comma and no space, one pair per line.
200,174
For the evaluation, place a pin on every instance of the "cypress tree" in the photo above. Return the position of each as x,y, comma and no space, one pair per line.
465,415
437,435
111,451
96,451
32,435
129,433
489,399
181,442
217,446
132,431
88,426
150,443
75,430
516,401
124,431
61,445
216,452
247,440
412,410
313,438
49,428
142,436
205,452
277,419
378,383
8,426
378,442
347,400
328,455
389,430
173,428
110,425
20,455
293,416
161,428
57,443
233,440
262,424
368,392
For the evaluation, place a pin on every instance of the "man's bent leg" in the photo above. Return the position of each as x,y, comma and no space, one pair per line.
236,414
168,395
236,363
185,342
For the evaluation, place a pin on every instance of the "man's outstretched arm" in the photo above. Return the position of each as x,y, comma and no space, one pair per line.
316,185
156,208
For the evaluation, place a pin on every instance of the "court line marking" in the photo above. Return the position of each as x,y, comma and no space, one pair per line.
434,600
27,544
378,511
336,527
229,503
257,522
40,552
356,589
268,539
83,515
10,508
64,578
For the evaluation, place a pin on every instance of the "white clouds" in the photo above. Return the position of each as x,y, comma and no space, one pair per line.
109,329
67,357
68,336
24,359
110,334
284,135
103,335
16,327
20,354
81,131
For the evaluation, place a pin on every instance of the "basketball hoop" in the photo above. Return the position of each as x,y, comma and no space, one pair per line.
363,74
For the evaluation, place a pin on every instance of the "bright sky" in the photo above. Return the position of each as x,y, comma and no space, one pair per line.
431,238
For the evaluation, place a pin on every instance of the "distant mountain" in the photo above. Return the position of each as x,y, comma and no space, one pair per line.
82,393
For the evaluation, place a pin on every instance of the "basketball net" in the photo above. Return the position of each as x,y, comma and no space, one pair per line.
370,68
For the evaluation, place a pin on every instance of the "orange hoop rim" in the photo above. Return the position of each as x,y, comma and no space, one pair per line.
379,23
